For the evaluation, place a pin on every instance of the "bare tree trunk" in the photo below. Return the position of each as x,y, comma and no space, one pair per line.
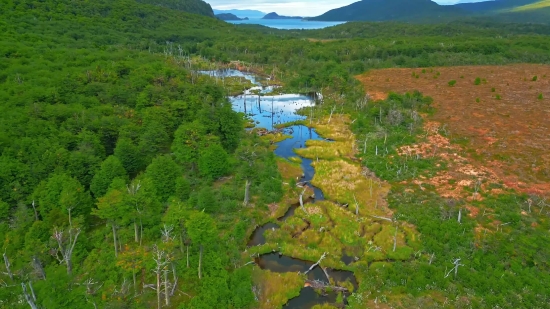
302,199
166,292
247,192
318,262
395,239
30,299
181,242
356,205
175,278
459,215
8,265
114,239
158,289
69,266
136,236
35,212
140,231
200,262
134,278
38,268
187,255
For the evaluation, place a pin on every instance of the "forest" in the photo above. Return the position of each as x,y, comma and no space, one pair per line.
123,172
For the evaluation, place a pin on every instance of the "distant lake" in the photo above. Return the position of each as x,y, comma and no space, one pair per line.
288,23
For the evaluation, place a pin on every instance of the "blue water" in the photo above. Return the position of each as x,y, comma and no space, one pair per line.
285,149
288,23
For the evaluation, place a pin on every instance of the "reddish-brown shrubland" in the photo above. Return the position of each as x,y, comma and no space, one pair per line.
502,120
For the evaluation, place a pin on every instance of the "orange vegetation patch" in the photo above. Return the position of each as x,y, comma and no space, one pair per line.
462,178
504,120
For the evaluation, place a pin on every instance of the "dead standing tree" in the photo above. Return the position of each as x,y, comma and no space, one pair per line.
65,244
8,265
456,264
248,156
30,298
162,262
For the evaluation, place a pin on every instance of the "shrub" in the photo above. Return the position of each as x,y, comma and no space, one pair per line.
541,96
535,78
452,83
493,89
477,100
498,97
477,81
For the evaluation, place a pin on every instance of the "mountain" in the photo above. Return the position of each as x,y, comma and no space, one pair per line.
383,10
535,12
517,11
244,13
229,16
274,15
493,6
190,6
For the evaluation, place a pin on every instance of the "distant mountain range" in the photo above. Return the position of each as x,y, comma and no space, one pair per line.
274,15
537,11
252,14
382,10
229,16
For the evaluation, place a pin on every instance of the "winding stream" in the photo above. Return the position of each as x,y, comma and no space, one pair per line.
267,111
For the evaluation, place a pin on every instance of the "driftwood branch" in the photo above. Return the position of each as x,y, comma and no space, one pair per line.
318,262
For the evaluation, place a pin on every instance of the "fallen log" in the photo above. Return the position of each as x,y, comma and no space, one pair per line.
317,284
314,265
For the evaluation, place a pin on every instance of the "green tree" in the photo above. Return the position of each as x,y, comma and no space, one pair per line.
59,196
213,161
4,211
163,172
186,144
202,231
231,126
113,208
110,169
129,155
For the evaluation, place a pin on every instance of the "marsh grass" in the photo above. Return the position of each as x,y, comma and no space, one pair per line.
276,289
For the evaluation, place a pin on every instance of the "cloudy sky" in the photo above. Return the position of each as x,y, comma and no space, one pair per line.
296,8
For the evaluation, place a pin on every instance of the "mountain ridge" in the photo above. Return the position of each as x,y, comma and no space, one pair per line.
430,12
383,10
243,13
190,6
274,15
229,16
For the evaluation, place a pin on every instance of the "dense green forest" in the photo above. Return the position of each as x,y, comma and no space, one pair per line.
123,173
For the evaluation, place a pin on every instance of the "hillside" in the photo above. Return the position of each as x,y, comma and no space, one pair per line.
383,10
274,15
190,6
427,11
229,16
242,13
492,6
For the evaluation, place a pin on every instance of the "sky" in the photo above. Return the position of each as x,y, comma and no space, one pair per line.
293,8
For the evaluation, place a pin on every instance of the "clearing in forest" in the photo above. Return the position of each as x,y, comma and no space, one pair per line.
500,114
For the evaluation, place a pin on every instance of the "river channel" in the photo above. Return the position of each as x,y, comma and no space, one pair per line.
267,111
